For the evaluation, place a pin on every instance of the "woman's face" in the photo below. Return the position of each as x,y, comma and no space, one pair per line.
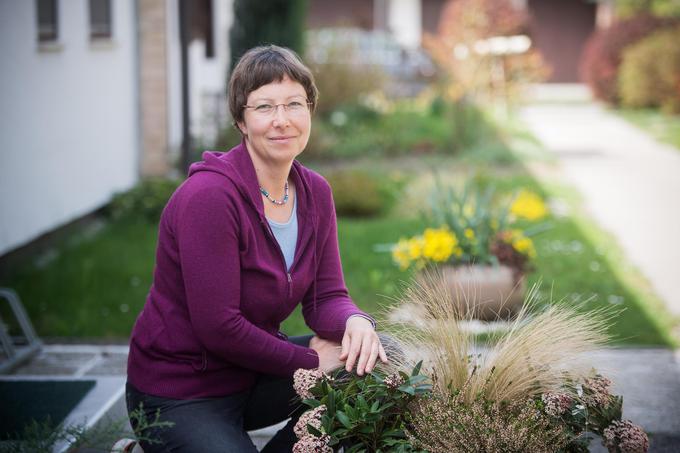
280,135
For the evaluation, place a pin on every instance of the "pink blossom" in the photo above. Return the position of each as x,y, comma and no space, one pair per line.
598,391
625,437
556,404
304,380
313,444
311,417
393,380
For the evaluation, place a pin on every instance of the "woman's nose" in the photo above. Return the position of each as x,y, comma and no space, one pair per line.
280,114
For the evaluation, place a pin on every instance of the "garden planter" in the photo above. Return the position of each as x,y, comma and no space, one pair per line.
484,292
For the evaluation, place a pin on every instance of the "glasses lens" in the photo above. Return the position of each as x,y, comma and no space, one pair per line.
264,109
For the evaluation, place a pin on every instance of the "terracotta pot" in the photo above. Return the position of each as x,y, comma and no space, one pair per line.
485,292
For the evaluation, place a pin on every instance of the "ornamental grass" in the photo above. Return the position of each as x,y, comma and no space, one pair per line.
538,353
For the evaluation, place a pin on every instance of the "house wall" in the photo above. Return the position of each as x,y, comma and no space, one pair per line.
560,29
431,13
405,23
208,77
347,13
69,134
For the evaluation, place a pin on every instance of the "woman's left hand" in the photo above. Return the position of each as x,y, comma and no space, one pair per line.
361,342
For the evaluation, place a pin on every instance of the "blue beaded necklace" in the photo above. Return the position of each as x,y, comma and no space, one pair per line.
283,201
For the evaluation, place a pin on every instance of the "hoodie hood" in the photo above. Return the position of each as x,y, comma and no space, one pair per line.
237,166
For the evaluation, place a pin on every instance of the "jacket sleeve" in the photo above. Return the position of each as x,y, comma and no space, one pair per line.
207,235
327,305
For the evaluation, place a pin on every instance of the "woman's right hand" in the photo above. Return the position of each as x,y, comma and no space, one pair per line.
328,352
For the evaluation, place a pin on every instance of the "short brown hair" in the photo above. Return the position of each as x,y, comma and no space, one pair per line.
262,65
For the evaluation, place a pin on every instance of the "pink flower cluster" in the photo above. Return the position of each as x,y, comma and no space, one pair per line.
311,417
625,437
312,444
393,380
599,391
556,404
304,380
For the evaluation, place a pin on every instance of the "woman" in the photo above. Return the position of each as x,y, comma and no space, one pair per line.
249,235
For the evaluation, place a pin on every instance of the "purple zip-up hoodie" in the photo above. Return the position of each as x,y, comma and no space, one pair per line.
220,289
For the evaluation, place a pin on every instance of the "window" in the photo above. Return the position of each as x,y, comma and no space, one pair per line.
100,19
47,20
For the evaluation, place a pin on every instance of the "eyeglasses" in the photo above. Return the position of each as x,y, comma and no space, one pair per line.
292,107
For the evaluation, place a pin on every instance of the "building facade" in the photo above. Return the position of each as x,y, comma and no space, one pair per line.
92,100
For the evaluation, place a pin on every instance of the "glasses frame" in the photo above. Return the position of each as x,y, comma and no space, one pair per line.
276,107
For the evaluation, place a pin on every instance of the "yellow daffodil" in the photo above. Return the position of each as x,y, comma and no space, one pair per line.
400,254
528,206
521,243
439,244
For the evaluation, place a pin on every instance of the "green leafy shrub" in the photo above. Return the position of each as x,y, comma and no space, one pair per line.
342,84
359,413
359,194
650,72
360,131
144,201
604,50
279,22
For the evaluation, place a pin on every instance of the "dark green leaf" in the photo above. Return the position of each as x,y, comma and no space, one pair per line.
340,415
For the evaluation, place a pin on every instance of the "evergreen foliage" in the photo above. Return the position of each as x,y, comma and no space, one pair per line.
279,22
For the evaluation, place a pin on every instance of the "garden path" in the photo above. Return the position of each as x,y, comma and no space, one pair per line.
630,183
648,379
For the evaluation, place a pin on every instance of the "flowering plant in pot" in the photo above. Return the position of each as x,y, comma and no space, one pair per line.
358,413
479,246
530,388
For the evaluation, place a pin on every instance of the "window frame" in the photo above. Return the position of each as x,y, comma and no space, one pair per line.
100,28
47,32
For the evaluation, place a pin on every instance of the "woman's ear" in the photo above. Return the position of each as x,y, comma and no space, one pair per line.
241,126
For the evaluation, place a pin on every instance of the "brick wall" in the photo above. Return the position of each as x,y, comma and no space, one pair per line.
153,87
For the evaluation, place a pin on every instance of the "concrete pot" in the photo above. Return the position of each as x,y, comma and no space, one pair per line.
484,292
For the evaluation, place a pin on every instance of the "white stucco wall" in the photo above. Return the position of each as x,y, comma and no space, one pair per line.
68,118
404,22
208,77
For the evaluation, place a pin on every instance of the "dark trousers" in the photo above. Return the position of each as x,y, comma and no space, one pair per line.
220,424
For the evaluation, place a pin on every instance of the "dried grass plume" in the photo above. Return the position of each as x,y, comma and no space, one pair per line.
540,350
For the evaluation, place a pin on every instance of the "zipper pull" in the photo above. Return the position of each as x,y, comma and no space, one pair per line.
290,285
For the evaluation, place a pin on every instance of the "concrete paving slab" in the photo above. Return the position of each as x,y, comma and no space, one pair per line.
648,380
628,180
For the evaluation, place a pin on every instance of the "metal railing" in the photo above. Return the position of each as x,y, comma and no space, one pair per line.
16,353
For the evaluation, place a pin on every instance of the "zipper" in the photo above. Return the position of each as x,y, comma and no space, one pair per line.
283,258
204,360
290,285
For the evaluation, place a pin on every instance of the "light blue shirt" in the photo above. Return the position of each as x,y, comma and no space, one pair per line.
286,235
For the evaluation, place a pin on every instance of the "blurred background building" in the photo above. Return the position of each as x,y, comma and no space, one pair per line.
93,96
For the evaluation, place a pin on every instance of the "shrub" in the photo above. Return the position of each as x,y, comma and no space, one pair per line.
650,72
145,201
341,80
358,194
603,53
360,413
279,22
463,24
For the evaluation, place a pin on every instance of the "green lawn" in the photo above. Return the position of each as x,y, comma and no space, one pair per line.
663,127
95,286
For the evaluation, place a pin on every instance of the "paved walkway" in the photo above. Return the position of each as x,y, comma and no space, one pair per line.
648,379
629,181
630,184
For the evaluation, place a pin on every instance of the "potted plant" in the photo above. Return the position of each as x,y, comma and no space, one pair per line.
478,246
